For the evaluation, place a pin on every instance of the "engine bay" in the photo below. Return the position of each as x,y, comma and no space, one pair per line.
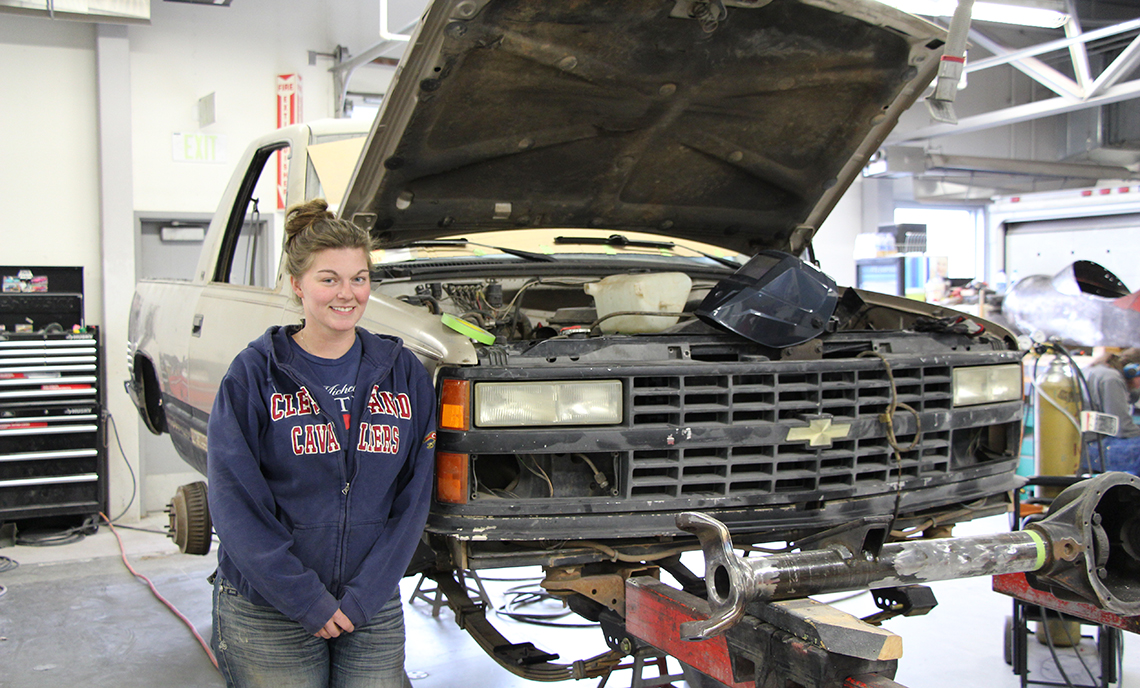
521,309
530,310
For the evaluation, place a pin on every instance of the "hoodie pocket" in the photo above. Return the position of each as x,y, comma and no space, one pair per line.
316,547
361,539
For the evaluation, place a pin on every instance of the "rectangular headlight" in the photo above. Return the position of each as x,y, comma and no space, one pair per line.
514,404
987,384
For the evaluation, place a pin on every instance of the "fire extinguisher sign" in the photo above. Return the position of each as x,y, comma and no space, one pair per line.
288,112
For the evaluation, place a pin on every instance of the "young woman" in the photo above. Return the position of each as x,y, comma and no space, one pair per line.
321,443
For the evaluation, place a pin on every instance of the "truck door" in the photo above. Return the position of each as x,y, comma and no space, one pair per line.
244,294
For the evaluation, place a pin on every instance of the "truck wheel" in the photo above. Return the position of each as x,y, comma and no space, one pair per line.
190,526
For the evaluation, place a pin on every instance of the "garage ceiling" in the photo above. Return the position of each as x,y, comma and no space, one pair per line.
1087,63
1085,75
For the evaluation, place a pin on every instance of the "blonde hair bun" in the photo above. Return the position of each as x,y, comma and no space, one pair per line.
310,228
304,215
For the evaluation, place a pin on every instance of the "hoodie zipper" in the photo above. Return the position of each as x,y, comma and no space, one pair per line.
345,446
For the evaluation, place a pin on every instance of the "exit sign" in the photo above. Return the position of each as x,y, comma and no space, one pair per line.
206,148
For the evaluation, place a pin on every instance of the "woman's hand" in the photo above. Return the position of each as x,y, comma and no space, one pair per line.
338,624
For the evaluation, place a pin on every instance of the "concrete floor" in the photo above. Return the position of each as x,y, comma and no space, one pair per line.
74,616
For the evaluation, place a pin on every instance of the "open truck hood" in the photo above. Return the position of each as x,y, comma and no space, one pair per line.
738,125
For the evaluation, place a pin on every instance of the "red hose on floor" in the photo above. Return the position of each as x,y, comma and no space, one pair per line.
123,551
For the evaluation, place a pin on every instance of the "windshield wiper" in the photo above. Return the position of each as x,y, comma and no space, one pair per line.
526,255
619,241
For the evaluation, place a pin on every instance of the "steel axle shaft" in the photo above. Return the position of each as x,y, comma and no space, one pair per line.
1080,550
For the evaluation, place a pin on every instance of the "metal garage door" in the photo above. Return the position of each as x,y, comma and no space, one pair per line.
1045,247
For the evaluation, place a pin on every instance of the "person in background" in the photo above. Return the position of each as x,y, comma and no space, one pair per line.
320,458
1114,386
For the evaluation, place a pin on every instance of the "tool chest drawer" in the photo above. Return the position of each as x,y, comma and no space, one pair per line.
52,455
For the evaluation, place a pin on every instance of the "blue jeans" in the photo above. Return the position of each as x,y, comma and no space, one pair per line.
260,647
1121,454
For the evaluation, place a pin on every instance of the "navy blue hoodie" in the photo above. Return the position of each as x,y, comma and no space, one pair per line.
312,517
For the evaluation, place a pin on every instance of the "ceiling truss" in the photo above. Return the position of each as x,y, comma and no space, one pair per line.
1072,94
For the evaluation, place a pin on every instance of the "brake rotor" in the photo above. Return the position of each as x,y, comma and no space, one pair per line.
190,525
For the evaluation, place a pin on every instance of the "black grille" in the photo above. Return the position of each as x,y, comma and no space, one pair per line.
769,403
773,397
746,470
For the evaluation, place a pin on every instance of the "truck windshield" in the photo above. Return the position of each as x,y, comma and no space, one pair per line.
330,167
537,244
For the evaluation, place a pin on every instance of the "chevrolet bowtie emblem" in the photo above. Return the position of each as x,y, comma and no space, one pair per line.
819,433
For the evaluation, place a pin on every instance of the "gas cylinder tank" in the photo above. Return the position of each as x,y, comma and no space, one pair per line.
1057,406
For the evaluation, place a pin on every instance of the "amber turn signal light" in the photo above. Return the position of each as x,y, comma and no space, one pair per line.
451,478
455,405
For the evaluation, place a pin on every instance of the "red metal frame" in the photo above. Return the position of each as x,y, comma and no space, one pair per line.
654,613
1015,585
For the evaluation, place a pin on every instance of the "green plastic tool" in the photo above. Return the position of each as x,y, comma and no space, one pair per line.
467,329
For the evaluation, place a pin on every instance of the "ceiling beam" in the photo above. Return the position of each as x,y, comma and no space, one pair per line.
1018,113
1078,52
1029,168
1050,46
1123,65
1033,68
342,71
1085,92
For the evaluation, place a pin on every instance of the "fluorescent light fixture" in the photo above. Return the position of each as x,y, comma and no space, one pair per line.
1040,14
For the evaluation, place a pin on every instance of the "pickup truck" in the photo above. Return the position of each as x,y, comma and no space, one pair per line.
532,159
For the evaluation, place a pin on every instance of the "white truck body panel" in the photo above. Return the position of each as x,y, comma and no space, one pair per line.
190,331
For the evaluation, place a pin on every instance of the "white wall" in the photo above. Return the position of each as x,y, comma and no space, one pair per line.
834,243
190,51
49,100
49,176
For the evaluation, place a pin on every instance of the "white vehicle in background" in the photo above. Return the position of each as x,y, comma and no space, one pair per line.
533,160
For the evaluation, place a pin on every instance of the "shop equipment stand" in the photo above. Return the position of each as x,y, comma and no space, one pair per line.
434,596
1031,604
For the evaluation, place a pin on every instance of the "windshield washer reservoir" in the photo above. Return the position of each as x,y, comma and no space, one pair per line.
664,292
